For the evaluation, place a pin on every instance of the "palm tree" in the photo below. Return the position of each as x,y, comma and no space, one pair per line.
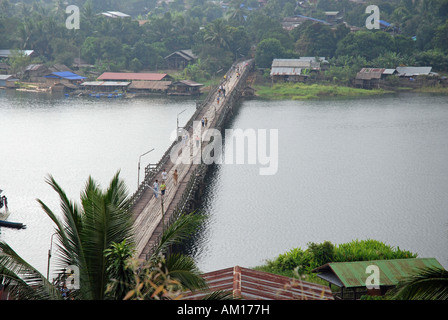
217,34
86,231
429,283
93,236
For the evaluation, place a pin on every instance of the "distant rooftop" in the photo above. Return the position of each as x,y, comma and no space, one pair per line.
115,14
129,76
249,284
6,52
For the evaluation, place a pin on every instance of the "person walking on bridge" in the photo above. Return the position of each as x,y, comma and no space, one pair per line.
156,188
175,177
162,188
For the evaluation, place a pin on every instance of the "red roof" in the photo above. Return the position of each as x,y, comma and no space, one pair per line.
251,284
118,76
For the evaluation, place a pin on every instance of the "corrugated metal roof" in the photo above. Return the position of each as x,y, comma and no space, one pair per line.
188,83
354,275
389,71
370,73
413,71
65,75
105,83
287,71
152,85
6,76
131,76
251,284
291,63
5,53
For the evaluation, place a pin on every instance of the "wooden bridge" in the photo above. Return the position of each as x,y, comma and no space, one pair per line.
152,214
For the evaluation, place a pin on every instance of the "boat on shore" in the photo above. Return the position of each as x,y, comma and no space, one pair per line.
4,214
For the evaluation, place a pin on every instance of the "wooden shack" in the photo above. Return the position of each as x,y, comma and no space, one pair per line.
185,88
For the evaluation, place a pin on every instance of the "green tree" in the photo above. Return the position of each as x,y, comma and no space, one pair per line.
267,50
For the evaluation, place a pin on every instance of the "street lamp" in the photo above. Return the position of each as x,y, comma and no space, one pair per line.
139,158
178,120
49,256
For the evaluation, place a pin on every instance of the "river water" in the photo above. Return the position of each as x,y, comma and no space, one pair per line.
72,138
371,168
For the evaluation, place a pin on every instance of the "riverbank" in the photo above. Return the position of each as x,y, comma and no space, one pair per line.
302,91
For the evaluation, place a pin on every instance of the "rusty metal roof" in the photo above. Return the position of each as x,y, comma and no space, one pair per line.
152,85
370,73
248,284
354,274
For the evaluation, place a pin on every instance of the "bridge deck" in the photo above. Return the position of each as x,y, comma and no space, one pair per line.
147,210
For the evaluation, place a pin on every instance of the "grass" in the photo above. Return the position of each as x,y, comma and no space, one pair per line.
433,89
301,91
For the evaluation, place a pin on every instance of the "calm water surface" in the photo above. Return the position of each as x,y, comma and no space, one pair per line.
72,138
348,169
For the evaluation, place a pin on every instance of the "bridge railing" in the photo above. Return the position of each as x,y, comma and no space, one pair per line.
198,174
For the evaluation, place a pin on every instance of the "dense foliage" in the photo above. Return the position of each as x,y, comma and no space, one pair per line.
220,34
318,254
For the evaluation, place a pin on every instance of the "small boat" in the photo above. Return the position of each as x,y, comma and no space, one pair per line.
14,225
4,216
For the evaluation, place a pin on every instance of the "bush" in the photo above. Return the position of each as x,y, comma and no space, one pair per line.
319,254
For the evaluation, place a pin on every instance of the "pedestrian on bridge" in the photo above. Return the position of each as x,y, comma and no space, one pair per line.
156,188
164,175
175,176
162,188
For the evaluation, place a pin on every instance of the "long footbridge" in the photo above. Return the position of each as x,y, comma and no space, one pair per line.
153,214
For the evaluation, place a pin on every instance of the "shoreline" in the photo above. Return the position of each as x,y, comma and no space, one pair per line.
303,91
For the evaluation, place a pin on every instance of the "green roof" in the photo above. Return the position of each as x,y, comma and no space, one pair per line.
353,274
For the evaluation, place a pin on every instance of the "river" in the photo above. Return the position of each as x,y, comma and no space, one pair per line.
347,169
374,168
74,138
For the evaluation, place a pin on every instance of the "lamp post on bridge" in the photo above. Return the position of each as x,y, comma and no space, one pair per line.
139,158
177,118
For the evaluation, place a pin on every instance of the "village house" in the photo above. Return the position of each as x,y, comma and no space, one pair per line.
180,59
247,284
105,86
352,277
37,72
115,14
132,76
296,70
7,81
63,81
6,53
333,17
369,78
413,72
185,87
149,87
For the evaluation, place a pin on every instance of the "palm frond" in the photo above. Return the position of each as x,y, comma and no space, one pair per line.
429,283
184,269
178,231
24,281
